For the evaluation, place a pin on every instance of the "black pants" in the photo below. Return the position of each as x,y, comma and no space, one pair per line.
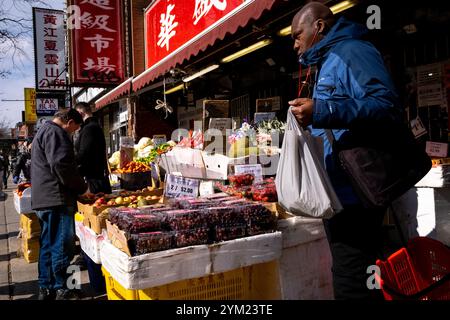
355,239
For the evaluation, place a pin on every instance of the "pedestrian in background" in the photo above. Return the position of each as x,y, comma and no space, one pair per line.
56,185
23,165
4,168
90,149
354,97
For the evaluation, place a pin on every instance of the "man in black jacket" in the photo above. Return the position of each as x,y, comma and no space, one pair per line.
56,185
90,148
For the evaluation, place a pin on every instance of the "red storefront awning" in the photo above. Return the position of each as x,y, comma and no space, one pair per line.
240,18
123,89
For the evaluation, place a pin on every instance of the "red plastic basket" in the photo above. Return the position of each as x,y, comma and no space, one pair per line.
421,271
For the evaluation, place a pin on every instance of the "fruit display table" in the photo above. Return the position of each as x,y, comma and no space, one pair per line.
163,267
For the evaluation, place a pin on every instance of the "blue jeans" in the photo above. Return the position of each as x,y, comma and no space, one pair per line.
57,246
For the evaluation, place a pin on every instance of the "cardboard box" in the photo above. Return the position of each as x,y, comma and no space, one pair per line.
88,209
276,209
117,237
29,226
23,204
90,242
98,223
30,250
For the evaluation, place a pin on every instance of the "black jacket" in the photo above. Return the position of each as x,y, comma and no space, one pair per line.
23,164
54,173
90,148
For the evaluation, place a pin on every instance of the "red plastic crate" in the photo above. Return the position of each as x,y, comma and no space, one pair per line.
421,271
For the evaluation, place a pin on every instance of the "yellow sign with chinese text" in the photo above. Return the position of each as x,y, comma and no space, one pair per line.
30,105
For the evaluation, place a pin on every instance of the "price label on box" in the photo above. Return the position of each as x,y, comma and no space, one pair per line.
255,169
177,186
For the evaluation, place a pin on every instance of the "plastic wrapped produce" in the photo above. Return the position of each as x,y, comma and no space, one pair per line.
115,214
191,237
139,223
234,202
265,192
195,204
190,203
254,229
225,233
155,209
216,196
143,243
227,198
183,219
226,216
256,213
239,180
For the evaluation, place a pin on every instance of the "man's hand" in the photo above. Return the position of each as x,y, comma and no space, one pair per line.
302,108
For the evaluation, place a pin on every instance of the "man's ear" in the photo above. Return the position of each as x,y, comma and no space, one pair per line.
321,26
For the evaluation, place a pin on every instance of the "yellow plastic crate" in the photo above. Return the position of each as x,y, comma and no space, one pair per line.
254,282
30,250
29,225
79,217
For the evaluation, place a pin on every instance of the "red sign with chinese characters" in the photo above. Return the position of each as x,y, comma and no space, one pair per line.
96,42
171,24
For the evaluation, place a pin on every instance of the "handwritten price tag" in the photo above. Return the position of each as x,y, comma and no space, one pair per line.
437,149
255,169
177,186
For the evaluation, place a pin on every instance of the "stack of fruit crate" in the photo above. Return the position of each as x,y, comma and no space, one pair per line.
30,230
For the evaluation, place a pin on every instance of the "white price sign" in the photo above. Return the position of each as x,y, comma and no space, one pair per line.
437,149
206,188
177,186
255,169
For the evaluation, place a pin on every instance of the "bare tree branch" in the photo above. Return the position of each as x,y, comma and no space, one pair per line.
14,32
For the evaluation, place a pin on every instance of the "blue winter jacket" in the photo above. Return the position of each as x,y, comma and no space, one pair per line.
353,95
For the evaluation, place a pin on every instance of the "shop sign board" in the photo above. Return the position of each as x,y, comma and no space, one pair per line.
430,95
178,186
30,105
46,106
436,149
123,116
170,26
49,49
96,39
255,169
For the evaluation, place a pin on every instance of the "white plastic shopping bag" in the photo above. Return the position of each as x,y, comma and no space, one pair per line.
303,185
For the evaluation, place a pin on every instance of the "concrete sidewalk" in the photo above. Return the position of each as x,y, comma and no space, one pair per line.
18,279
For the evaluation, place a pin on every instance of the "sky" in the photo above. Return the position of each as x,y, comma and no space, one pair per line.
22,74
